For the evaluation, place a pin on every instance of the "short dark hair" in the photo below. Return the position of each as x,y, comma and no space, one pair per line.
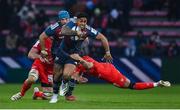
82,15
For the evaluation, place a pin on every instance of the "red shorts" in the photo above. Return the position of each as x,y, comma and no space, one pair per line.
109,73
43,71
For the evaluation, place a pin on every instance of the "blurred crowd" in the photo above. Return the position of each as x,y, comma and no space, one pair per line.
20,25
21,22
138,46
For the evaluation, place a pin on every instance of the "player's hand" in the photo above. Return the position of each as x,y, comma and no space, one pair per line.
44,60
82,79
76,57
108,57
79,78
44,53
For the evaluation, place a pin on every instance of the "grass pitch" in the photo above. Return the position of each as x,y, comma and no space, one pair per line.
97,96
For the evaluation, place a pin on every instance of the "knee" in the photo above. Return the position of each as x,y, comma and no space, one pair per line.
31,79
33,76
126,83
123,82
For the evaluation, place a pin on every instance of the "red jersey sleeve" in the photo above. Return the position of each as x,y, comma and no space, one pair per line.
37,46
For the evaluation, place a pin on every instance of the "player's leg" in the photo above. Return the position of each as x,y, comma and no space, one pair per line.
140,85
57,74
68,95
32,78
121,81
63,88
45,94
46,79
147,85
67,88
69,68
137,85
28,83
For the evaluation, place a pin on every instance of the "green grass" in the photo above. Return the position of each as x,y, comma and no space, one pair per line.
97,96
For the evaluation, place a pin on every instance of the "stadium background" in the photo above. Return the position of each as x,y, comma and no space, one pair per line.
144,35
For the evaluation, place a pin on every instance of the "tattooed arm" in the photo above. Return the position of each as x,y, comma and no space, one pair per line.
66,31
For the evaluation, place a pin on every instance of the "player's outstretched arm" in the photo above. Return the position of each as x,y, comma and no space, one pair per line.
86,64
79,78
105,44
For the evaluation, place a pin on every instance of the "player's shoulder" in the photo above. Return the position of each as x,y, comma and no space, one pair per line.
71,23
51,29
91,30
74,19
55,25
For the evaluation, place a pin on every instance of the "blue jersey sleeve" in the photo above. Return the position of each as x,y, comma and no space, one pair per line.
92,32
70,24
50,30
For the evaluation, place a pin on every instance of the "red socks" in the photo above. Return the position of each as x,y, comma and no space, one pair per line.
25,87
39,94
143,85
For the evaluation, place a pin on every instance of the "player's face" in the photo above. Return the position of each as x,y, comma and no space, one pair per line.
82,22
64,21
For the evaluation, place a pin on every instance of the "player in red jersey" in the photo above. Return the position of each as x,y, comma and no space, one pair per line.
42,69
108,72
35,53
